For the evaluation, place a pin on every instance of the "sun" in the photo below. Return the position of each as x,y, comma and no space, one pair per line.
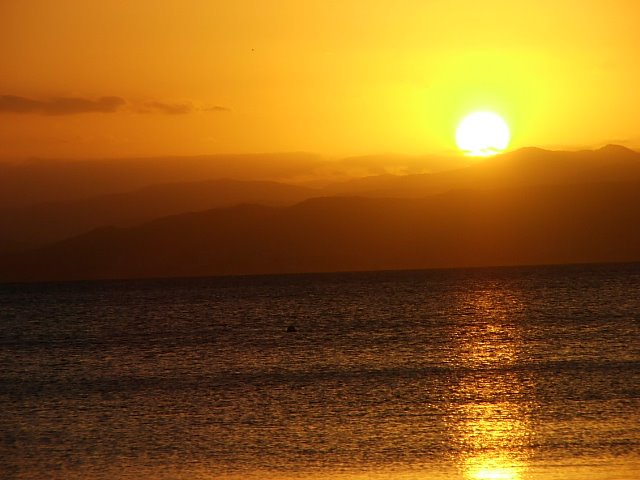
481,134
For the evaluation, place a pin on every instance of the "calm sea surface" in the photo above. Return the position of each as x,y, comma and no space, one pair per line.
515,373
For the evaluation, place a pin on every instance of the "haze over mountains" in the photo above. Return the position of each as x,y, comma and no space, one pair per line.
524,167
523,207
38,224
28,182
32,181
45,201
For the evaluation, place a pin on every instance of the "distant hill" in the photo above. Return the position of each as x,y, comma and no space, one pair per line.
34,181
598,222
36,225
520,168
367,165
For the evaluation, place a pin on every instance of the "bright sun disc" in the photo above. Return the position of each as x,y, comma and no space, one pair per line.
481,134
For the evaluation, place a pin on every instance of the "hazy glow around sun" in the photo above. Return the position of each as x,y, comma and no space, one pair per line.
482,134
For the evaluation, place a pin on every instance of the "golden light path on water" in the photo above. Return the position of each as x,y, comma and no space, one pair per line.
489,419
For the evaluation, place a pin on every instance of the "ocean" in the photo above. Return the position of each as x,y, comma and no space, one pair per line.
479,374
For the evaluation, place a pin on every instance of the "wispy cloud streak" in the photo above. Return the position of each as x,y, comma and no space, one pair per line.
59,105
109,104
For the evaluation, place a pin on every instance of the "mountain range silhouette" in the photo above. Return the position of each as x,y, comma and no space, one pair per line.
530,206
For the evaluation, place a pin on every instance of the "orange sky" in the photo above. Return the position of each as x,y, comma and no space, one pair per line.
332,77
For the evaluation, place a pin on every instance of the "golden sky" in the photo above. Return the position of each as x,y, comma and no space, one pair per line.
88,78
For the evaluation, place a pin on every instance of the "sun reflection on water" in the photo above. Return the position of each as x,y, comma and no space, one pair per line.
492,440
490,408
492,469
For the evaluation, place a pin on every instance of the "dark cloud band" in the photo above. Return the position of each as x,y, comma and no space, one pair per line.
217,108
178,108
76,105
59,106
168,108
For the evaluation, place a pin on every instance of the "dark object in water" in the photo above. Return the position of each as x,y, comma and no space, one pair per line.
291,328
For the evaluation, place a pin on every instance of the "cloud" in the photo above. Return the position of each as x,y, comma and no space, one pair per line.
216,108
168,108
76,105
178,108
59,105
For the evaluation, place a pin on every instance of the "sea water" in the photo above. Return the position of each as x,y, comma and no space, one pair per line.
505,373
